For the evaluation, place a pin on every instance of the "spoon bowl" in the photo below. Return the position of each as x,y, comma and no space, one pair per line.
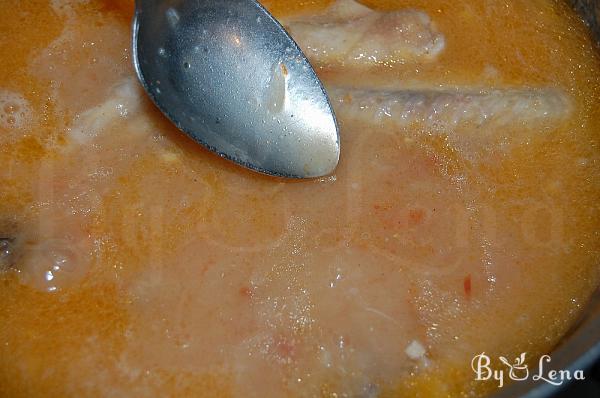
226,73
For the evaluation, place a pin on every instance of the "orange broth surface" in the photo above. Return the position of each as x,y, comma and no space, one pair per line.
185,275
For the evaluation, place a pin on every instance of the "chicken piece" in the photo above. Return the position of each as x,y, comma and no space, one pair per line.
55,252
352,34
122,101
445,110
15,111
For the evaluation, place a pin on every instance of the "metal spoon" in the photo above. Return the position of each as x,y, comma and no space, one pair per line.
227,74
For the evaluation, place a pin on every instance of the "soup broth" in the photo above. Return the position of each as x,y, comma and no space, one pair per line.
462,218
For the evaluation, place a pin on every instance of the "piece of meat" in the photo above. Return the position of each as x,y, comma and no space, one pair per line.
352,34
123,100
55,251
444,110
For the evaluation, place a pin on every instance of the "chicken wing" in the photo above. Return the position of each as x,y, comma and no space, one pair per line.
351,34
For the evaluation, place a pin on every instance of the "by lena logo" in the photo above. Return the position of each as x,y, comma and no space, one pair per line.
518,370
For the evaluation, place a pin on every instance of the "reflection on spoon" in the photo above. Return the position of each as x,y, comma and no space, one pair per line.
228,75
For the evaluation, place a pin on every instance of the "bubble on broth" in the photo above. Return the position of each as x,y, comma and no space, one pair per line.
52,265
15,111
5,253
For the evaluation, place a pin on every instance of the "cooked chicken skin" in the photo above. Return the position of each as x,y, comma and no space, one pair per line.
446,110
354,35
